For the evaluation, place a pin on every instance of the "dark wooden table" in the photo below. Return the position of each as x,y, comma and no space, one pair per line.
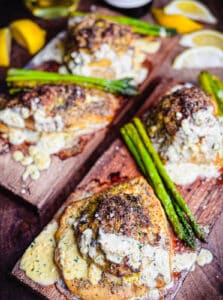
19,224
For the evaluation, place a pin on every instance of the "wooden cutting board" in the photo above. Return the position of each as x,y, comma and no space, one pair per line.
117,165
58,181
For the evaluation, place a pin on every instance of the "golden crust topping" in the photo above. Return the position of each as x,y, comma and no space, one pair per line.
184,101
91,33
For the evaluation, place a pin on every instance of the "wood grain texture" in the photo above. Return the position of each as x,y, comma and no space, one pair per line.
19,225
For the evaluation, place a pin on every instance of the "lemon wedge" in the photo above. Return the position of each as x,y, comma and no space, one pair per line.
180,23
203,38
28,34
5,47
200,57
191,9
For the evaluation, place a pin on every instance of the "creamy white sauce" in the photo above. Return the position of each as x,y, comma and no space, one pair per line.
199,135
94,274
55,51
96,256
38,260
48,136
155,263
12,118
117,247
40,153
46,144
85,241
47,124
184,261
195,149
204,257
187,173
31,171
154,294
72,263
127,64
19,136
18,156
120,65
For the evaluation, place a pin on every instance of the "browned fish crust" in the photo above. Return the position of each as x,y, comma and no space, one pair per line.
91,33
53,97
162,119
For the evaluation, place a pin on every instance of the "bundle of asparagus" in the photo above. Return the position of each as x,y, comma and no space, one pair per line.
178,213
138,26
18,79
213,85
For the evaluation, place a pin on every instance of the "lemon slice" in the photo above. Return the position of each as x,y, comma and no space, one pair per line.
28,34
200,57
180,23
5,47
191,9
203,38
